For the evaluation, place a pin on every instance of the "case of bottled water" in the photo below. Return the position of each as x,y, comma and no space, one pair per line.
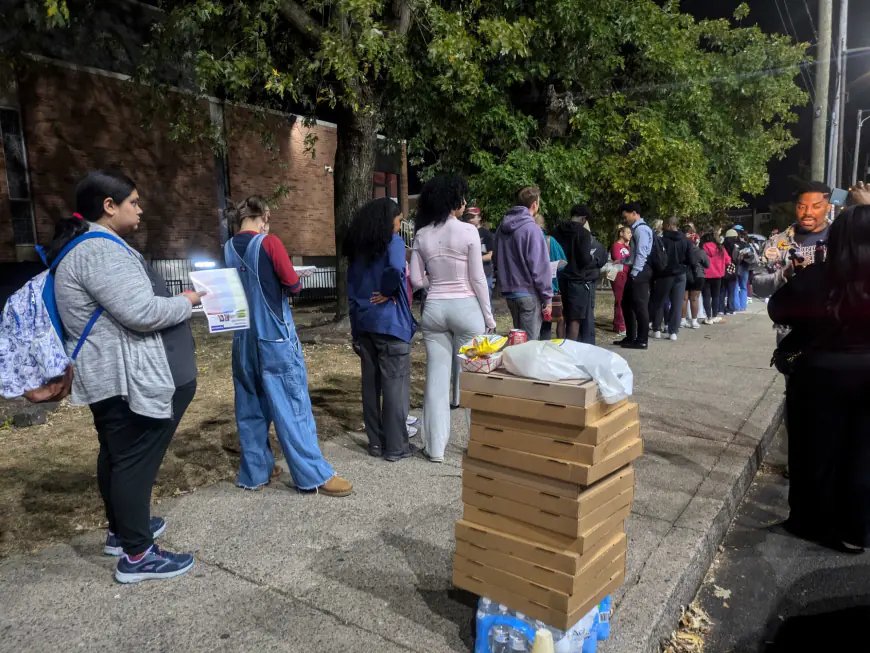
502,630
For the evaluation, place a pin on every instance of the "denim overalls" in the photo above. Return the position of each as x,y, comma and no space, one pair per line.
271,385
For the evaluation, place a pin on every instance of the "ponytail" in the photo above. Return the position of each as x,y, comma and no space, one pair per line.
91,194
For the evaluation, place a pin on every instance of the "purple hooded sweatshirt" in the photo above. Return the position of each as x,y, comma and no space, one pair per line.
521,257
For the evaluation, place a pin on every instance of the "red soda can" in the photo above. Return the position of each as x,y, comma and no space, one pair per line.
517,337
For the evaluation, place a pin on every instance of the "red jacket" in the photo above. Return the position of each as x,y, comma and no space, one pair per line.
719,260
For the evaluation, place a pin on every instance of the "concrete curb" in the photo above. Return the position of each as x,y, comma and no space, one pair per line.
649,608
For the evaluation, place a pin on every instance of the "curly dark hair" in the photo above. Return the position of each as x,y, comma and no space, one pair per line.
371,230
847,263
438,197
710,237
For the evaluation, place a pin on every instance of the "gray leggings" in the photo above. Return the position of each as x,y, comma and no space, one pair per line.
447,325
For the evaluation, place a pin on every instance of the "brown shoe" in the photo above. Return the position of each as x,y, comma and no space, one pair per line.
336,487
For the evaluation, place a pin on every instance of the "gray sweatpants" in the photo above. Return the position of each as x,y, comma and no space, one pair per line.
447,325
526,314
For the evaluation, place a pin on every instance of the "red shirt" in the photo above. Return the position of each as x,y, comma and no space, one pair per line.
275,271
618,252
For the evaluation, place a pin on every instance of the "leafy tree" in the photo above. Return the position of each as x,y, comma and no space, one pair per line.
593,100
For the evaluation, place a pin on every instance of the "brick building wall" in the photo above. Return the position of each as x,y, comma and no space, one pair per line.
303,218
75,121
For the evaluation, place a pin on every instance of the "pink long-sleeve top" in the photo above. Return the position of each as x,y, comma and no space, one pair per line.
446,261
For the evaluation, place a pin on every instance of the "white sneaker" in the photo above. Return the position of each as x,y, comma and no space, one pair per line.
411,420
694,325
684,323
674,337
412,431
622,334
657,335
718,320
708,322
749,300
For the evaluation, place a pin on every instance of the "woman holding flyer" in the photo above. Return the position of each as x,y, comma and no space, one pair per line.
269,375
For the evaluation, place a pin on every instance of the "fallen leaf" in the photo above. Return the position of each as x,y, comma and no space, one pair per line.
721,593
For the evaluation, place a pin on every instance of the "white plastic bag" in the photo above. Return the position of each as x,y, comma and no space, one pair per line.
559,360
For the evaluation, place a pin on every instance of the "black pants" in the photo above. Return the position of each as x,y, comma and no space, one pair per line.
635,306
386,391
131,450
712,288
673,288
587,324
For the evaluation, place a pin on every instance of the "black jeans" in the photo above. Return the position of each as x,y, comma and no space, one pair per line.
673,288
635,305
131,449
587,324
386,391
712,288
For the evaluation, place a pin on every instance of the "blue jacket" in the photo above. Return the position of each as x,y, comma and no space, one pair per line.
385,275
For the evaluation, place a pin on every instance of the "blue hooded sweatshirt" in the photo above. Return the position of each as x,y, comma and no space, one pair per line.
521,258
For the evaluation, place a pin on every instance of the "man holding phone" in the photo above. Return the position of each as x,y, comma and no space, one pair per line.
796,246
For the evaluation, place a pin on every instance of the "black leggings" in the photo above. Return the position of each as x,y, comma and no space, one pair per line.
712,288
131,450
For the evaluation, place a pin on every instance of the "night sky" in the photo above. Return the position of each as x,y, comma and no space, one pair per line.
764,14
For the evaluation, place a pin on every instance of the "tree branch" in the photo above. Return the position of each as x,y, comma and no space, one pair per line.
300,19
402,13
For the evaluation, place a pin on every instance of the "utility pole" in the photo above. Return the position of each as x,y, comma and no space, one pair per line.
843,43
823,88
861,121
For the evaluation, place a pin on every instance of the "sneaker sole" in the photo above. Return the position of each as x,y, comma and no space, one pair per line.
132,578
338,495
118,551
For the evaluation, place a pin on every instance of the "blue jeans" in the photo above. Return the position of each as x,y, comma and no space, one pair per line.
742,287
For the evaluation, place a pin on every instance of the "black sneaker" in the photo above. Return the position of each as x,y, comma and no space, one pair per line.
410,450
623,342
155,564
113,547
636,345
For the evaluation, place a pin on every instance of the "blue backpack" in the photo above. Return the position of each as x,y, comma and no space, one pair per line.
33,359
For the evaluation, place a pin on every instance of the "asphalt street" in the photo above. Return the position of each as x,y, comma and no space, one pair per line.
769,591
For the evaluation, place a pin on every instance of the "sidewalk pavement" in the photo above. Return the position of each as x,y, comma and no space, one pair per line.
278,571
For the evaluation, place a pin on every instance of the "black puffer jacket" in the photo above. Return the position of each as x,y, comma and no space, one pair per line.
677,247
586,256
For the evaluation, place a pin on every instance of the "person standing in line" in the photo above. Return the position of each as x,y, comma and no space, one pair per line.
269,374
522,265
695,272
827,307
382,325
619,252
557,256
136,368
446,260
671,283
719,260
586,256
487,244
728,294
635,299
747,259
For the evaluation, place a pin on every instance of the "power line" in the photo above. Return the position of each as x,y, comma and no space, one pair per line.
794,29
812,22
808,83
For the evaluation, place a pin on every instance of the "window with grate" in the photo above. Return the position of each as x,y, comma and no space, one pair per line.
16,176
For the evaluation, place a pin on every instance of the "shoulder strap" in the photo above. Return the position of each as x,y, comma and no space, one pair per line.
86,236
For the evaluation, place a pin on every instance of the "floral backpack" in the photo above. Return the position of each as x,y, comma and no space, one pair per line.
33,361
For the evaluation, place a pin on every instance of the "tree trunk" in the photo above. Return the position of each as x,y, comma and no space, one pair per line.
353,177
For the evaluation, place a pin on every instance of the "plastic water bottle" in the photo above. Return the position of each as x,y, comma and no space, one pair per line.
499,640
605,609
484,608
518,644
590,644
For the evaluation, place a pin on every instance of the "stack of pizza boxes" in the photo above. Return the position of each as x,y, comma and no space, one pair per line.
547,485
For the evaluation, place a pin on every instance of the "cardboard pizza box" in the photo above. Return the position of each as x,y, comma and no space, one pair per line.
595,433
560,560
586,454
570,526
544,411
551,617
593,563
542,536
562,603
500,482
569,392
562,470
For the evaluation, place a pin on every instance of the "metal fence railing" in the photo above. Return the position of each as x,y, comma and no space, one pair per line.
176,272
406,230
